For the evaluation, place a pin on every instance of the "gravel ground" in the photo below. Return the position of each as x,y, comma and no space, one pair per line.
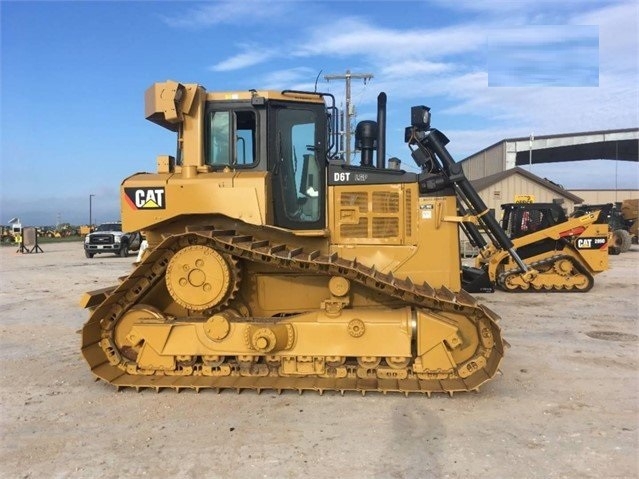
565,407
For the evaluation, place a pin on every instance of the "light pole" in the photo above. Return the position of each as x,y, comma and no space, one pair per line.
90,212
532,138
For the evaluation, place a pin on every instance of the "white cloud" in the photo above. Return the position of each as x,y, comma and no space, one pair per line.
354,36
536,11
417,67
293,78
540,34
614,104
446,65
549,109
251,56
618,36
227,12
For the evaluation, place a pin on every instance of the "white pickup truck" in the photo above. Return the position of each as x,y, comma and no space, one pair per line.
109,238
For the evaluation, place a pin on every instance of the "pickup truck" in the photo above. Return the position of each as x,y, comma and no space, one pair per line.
109,238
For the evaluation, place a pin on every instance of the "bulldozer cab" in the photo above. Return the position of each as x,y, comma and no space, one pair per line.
276,143
521,219
295,155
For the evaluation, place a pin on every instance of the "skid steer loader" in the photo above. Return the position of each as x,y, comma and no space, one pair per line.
562,253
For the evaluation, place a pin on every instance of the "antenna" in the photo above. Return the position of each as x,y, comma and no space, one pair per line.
317,78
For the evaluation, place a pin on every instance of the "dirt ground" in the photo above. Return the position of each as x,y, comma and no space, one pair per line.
566,405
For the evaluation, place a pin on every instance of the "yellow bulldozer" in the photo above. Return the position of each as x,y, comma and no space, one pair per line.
273,264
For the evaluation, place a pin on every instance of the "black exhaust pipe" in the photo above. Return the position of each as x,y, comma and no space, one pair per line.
381,130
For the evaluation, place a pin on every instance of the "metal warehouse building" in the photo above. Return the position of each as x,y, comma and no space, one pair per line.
495,172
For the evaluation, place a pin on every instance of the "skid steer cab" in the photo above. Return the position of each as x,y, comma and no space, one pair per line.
522,219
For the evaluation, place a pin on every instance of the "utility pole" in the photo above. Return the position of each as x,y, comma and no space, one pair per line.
348,114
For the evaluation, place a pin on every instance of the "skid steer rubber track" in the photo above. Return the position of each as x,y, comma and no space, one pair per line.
559,273
107,306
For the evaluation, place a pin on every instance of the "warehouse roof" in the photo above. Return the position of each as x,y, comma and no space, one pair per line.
621,144
483,183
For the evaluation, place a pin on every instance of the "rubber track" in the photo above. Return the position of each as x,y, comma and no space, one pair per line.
555,289
119,299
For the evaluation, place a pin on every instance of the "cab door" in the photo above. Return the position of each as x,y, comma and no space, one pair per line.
297,159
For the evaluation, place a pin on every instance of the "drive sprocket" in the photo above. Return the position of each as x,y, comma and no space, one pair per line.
199,278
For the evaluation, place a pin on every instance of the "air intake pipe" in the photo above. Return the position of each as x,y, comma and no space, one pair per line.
366,140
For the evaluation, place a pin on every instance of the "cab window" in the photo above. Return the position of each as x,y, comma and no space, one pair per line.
231,138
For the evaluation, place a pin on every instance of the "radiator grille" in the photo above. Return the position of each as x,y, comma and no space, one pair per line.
358,230
385,227
385,202
370,215
356,200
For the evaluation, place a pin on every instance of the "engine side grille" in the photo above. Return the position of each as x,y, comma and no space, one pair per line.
370,216
353,199
385,227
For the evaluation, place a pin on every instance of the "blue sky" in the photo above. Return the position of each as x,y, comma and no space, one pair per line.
73,76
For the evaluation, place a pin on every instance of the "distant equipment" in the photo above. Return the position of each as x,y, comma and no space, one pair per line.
13,232
29,241
622,220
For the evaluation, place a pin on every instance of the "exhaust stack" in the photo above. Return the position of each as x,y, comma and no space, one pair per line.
381,130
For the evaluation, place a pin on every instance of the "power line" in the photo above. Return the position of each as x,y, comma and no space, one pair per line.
349,113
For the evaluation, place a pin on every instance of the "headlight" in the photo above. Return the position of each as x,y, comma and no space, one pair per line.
86,239
116,239
420,117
